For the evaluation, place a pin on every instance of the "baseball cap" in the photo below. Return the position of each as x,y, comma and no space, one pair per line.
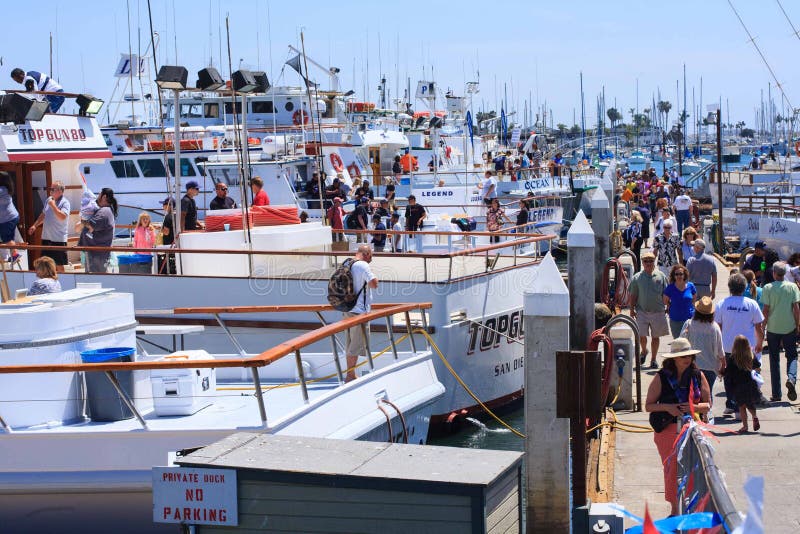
648,256
191,184
760,244
168,200
337,199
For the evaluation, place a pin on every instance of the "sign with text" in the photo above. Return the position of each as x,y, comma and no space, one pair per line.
195,496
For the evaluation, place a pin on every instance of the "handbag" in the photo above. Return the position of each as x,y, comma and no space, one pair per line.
661,420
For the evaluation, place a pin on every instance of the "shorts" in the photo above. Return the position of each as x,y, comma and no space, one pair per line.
356,342
8,230
58,256
652,324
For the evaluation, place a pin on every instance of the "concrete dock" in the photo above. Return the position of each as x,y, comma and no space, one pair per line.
770,453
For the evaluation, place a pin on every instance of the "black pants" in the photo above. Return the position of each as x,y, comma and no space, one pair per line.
166,264
58,256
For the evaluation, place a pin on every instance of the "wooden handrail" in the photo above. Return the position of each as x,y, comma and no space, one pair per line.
261,360
287,308
525,238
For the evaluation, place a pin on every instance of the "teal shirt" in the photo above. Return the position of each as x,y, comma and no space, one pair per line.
780,296
649,290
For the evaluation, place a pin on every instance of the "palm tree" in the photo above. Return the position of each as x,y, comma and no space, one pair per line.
614,116
664,107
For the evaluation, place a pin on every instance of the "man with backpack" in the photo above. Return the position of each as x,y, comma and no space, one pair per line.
349,292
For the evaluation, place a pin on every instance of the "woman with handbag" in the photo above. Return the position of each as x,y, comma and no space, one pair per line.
668,401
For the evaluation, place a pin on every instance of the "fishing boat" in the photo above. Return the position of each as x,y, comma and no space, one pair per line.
475,291
638,157
85,415
768,180
772,218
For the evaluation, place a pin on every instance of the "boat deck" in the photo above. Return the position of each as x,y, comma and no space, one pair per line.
234,407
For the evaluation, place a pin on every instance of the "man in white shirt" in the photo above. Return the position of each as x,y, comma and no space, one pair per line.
738,315
488,188
54,220
683,207
37,81
364,280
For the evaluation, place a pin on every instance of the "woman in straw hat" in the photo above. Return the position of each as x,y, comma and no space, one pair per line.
704,335
668,401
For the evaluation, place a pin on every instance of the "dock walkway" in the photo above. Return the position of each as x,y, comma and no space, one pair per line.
771,453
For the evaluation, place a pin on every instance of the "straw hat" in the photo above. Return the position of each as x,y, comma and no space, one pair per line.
705,306
680,347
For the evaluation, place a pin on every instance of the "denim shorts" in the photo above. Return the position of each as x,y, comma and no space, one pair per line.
7,230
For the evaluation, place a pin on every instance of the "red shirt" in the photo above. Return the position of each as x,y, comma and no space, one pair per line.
261,199
336,216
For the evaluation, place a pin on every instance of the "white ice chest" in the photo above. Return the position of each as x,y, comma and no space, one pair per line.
183,391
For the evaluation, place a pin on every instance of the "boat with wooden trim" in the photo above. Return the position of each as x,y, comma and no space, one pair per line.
79,439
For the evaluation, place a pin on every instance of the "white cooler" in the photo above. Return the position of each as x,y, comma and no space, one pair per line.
183,391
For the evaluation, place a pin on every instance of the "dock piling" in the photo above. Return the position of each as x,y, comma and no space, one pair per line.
601,224
546,311
581,279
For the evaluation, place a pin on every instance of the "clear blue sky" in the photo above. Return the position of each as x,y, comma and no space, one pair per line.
536,49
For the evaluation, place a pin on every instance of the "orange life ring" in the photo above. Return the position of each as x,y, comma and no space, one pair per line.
797,148
354,171
300,117
337,163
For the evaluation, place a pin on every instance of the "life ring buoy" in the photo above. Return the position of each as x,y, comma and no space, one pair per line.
797,148
300,117
354,171
337,163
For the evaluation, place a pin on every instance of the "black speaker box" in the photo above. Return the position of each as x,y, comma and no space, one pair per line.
209,79
243,81
262,81
172,77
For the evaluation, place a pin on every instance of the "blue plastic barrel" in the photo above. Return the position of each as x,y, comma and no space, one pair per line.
102,399
135,263
105,355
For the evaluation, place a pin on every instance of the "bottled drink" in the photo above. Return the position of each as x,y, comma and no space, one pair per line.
763,266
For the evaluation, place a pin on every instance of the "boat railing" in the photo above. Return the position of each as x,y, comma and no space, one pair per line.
709,492
458,245
782,212
763,203
293,346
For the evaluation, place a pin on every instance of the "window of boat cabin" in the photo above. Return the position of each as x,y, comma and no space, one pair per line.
152,168
211,111
186,167
192,111
289,106
262,106
229,108
124,168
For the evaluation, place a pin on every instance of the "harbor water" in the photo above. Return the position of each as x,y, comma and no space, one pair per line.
488,433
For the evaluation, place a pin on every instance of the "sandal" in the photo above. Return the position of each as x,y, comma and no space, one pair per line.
643,357
756,424
743,430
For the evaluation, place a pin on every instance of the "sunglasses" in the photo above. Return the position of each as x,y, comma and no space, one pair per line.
223,188
648,261
679,274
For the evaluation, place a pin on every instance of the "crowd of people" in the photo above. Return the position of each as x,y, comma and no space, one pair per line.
675,293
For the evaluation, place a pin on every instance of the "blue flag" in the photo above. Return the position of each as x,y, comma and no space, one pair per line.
469,128
503,126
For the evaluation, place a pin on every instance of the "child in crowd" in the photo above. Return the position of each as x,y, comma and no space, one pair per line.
378,240
742,384
88,207
145,235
